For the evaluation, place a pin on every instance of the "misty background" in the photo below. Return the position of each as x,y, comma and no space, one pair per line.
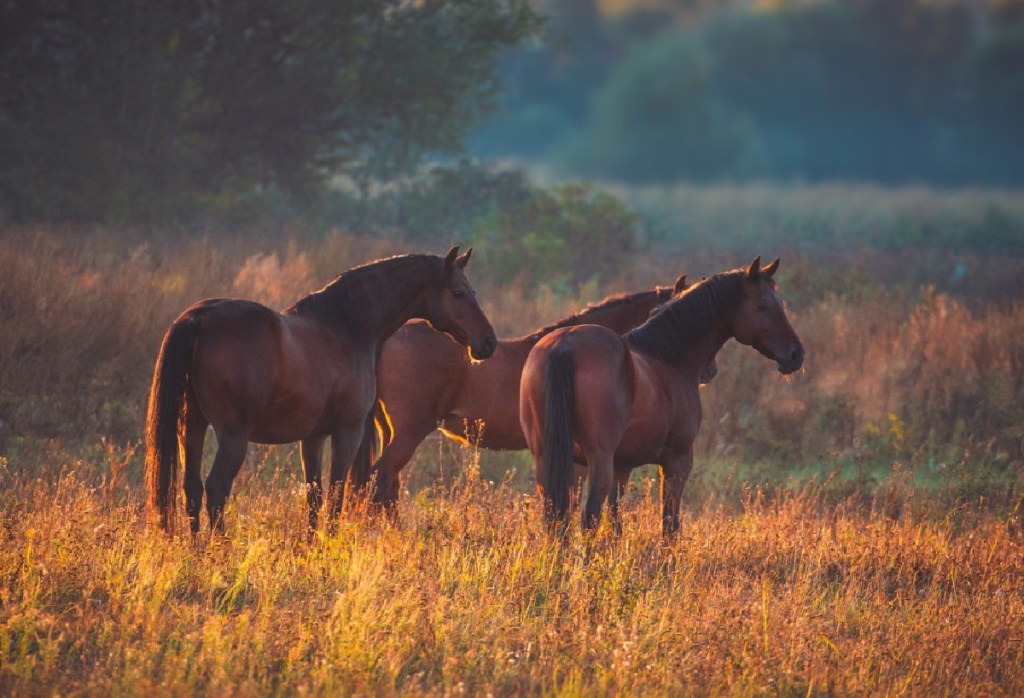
393,116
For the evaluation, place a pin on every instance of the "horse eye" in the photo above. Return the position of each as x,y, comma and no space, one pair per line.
458,293
763,308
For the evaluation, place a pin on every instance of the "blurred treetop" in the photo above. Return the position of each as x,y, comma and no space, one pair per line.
153,109
660,91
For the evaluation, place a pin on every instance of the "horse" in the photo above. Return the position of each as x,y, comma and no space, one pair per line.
616,402
468,401
303,374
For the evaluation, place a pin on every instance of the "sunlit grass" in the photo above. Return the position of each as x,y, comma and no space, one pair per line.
469,593
853,529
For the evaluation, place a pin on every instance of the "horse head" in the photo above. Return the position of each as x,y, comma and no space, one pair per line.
452,308
761,321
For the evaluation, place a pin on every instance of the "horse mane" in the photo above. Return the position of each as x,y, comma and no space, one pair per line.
343,303
675,326
580,317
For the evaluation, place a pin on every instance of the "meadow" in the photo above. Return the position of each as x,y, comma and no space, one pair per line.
856,528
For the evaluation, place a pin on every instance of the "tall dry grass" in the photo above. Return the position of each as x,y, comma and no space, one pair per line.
883,555
781,595
931,381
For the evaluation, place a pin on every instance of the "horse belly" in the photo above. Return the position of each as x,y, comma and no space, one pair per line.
639,447
283,423
650,418
316,395
491,430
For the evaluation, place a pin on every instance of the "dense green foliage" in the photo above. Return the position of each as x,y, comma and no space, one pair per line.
158,110
880,90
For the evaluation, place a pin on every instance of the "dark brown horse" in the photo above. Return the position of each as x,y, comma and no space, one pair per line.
425,382
618,402
302,375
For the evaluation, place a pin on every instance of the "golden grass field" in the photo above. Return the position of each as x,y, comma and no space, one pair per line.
855,529
469,594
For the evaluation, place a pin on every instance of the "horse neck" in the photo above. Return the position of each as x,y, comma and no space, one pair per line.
384,295
690,331
620,314
703,351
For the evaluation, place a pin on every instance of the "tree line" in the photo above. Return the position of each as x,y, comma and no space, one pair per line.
155,109
891,91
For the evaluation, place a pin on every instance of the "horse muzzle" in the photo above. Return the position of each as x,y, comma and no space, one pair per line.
791,363
484,349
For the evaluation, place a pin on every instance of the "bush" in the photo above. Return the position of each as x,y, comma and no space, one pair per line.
563,238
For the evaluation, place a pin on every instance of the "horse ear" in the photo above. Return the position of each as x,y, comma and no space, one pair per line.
754,269
463,260
680,285
772,268
449,260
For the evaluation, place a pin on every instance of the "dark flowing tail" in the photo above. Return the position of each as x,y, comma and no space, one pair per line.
166,398
559,403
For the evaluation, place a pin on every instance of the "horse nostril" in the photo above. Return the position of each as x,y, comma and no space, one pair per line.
487,347
797,357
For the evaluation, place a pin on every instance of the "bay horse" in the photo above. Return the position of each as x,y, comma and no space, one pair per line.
616,402
303,375
468,401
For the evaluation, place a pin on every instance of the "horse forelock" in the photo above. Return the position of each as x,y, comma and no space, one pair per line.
388,281
607,304
676,325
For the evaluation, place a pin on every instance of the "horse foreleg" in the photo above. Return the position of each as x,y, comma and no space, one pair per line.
195,425
311,452
344,444
231,450
674,473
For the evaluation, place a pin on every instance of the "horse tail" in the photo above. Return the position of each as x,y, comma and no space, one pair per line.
166,399
384,431
559,404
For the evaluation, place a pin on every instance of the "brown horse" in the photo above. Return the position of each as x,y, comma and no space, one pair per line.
619,402
302,375
457,395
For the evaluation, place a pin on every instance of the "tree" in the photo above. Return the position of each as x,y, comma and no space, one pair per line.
148,108
658,119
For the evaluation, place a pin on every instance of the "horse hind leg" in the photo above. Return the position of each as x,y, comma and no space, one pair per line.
621,483
392,461
359,475
602,481
194,437
231,450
